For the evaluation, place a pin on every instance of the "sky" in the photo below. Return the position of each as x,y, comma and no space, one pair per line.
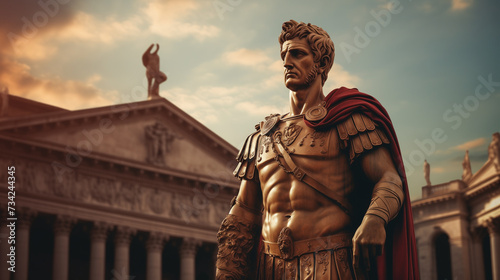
433,64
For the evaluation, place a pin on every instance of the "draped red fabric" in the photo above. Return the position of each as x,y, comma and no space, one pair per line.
399,260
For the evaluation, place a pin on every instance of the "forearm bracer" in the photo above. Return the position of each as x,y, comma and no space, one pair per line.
238,241
387,199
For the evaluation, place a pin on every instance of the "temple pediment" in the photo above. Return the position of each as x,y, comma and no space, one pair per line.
152,133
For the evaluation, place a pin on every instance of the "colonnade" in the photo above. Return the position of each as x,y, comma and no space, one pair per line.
99,233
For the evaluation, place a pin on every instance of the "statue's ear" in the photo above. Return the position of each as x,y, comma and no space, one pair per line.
323,62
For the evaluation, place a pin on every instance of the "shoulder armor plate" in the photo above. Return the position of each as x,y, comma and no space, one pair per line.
359,133
246,157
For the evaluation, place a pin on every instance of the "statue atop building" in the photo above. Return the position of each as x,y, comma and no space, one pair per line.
494,150
151,60
427,172
467,171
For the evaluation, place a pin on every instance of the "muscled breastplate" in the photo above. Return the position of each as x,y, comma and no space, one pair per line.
317,153
326,156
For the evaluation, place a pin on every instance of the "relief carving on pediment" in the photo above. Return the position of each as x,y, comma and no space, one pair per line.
158,141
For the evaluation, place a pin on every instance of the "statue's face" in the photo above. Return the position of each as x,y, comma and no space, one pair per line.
300,69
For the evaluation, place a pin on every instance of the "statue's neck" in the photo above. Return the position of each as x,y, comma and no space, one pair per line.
303,100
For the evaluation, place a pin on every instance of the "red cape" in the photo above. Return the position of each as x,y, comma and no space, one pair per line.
399,260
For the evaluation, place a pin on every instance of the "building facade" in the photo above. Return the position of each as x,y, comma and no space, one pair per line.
132,191
457,224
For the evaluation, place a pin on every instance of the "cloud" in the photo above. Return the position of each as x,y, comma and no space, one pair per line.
28,19
338,77
67,94
39,36
250,58
442,6
207,104
37,48
82,28
273,81
443,152
460,5
426,7
438,170
470,144
179,19
255,109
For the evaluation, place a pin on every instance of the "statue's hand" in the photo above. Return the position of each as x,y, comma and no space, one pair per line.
368,242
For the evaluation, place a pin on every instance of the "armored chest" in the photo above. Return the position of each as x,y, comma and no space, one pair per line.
299,139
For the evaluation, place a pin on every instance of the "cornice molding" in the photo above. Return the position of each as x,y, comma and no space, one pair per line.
20,150
435,199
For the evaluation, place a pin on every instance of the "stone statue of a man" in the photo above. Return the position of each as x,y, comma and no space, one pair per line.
494,150
427,173
323,189
151,60
467,171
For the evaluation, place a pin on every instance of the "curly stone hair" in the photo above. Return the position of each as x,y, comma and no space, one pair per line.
319,41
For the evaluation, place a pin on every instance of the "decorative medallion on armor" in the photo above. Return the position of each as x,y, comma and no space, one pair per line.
269,123
316,113
290,134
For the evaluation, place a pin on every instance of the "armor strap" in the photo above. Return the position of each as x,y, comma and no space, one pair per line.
387,199
302,176
238,240
235,201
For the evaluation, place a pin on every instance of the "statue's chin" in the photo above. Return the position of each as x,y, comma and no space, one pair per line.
294,85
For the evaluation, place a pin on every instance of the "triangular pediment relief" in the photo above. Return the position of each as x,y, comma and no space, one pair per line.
152,133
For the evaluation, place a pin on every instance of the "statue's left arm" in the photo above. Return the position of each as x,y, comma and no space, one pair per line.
387,199
145,56
368,145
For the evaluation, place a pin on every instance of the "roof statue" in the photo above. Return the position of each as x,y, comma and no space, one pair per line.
151,60
494,150
467,173
427,172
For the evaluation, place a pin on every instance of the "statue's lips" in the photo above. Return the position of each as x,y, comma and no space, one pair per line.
291,75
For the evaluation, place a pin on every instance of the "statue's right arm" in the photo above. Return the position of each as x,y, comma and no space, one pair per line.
239,232
145,56
248,203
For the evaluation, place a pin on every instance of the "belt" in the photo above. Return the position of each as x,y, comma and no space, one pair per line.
286,249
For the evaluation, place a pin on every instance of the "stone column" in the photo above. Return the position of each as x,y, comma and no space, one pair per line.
188,257
477,253
98,236
123,236
154,247
494,232
460,257
426,258
22,224
62,230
